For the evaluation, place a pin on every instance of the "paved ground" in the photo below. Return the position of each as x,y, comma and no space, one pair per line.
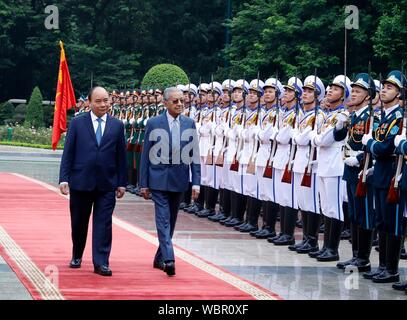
290,275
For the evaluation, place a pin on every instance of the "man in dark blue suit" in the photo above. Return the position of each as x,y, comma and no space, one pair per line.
170,152
93,171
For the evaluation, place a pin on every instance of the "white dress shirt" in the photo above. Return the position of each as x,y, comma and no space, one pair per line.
96,123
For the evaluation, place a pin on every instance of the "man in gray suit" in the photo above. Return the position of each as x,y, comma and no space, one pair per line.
170,152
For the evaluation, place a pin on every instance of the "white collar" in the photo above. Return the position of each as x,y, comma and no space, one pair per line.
388,111
94,117
171,118
359,112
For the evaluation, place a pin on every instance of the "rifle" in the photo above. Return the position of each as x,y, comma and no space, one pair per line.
235,163
361,188
268,171
251,167
393,195
189,96
221,157
306,178
200,102
288,172
209,156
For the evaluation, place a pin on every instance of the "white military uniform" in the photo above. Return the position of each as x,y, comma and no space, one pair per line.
330,167
267,130
285,196
307,198
248,135
234,142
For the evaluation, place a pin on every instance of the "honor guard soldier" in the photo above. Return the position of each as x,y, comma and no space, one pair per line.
222,170
382,146
208,169
158,99
304,168
248,156
357,164
236,181
330,168
198,204
283,160
190,91
273,91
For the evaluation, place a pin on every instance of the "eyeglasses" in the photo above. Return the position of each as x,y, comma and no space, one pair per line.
176,101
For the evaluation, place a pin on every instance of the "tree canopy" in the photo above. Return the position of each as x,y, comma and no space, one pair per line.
114,43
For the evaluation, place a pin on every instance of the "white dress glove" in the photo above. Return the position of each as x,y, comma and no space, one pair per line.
352,162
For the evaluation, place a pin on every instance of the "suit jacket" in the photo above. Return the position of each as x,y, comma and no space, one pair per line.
166,175
87,166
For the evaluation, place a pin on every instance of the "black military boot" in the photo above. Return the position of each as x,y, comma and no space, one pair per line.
290,218
294,247
332,254
311,245
211,198
281,210
391,273
401,286
355,245
226,206
365,239
327,231
270,211
382,257
253,214
239,202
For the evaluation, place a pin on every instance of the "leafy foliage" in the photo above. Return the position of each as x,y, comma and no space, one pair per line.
6,112
163,76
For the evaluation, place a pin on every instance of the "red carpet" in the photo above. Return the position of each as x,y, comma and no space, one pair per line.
35,219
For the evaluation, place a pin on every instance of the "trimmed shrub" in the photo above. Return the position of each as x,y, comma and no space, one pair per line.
35,112
163,76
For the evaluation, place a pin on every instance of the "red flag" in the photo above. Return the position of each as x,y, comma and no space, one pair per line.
64,99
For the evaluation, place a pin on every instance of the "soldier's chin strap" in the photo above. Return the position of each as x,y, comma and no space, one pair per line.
397,96
361,102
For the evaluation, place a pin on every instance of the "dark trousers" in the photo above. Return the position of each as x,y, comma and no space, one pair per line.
360,209
388,216
103,203
166,211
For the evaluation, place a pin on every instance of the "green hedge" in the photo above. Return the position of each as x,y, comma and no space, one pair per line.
162,76
21,134
31,145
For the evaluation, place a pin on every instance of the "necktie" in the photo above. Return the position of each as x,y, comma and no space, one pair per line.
99,131
175,138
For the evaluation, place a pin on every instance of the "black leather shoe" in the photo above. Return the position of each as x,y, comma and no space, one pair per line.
386,277
169,268
314,254
248,228
240,226
343,264
224,221
371,274
401,286
328,255
103,271
183,205
265,234
362,265
307,248
271,239
284,240
75,263
158,265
